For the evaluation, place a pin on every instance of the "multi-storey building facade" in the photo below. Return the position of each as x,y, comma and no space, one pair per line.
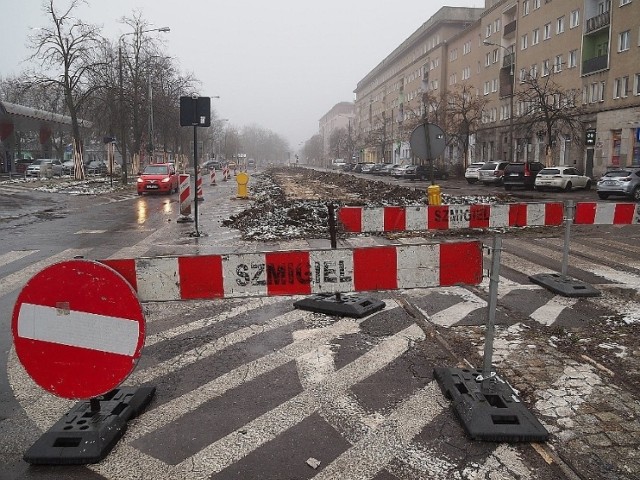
585,53
340,117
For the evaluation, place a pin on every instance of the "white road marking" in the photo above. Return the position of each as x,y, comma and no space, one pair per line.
15,280
548,313
12,256
371,454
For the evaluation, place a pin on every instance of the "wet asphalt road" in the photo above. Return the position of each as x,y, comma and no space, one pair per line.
254,389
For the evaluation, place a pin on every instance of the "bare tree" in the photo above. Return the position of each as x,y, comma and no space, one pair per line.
66,52
339,143
463,113
548,108
312,150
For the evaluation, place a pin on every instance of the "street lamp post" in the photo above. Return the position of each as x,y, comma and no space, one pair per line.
513,91
123,128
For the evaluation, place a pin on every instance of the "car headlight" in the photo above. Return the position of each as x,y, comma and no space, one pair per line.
166,180
140,180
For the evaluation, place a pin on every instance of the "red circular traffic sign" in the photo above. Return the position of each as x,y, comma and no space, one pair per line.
78,329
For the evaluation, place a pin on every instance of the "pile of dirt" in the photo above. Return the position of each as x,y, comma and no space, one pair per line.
292,203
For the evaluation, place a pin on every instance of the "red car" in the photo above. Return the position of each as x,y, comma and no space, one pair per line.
158,178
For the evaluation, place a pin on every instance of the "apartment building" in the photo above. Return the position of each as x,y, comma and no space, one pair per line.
585,53
340,117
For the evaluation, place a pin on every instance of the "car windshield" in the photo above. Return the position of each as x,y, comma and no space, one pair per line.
156,170
549,171
618,173
489,166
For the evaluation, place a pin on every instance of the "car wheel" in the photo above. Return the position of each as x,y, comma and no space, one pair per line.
567,187
636,194
588,185
603,196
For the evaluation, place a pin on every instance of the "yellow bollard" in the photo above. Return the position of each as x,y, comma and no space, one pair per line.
243,179
433,194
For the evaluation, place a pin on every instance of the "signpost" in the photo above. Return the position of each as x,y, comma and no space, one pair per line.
78,330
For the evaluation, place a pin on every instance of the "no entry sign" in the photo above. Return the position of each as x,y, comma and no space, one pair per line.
78,329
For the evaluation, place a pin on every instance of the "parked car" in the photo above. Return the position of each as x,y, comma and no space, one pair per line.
67,167
424,172
491,173
521,174
385,169
561,178
471,173
338,164
210,165
398,170
620,181
366,168
96,167
158,178
376,168
40,167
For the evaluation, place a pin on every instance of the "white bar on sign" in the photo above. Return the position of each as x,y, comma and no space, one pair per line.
78,329
535,214
372,220
158,279
244,275
418,266
604,213
331,271
499,216
416,217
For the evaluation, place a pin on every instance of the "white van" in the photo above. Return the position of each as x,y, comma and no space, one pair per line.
338,164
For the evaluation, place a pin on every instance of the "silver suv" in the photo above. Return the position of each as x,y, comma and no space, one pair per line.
620,181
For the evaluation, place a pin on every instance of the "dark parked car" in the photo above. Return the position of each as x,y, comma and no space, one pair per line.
521,174
97,167
424,172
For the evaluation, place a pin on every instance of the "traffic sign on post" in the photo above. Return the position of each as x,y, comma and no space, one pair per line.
78,329
427,141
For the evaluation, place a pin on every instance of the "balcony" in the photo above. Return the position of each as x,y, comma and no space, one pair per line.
595,64
509,29
597,22
508,60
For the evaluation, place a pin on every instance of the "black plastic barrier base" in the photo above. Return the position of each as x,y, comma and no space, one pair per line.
563,285
342,305
88,432
488,409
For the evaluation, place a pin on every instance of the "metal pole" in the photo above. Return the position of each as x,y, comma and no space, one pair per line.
513,91
494,279
195,169
123,140
569,209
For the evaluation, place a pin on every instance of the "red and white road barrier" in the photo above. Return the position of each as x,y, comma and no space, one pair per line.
212,176
199,194
303,272
600,213
225,173
445,217
185,194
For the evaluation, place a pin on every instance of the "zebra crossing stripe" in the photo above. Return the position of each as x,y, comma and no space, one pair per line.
219,455
388,440
18,279
9,257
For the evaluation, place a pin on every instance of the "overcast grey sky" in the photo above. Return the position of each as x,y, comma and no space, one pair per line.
280,64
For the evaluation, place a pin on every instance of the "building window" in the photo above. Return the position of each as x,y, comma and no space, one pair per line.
624,41
496,57
487,59
494,85
624,2
536,4
560,25
547,31
573,59
575,19
545,68
523,75
466,73
535,36
534,71
524,42
636,84
617,87
487,88
525,7
557,66
488,31
466,48
497,24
